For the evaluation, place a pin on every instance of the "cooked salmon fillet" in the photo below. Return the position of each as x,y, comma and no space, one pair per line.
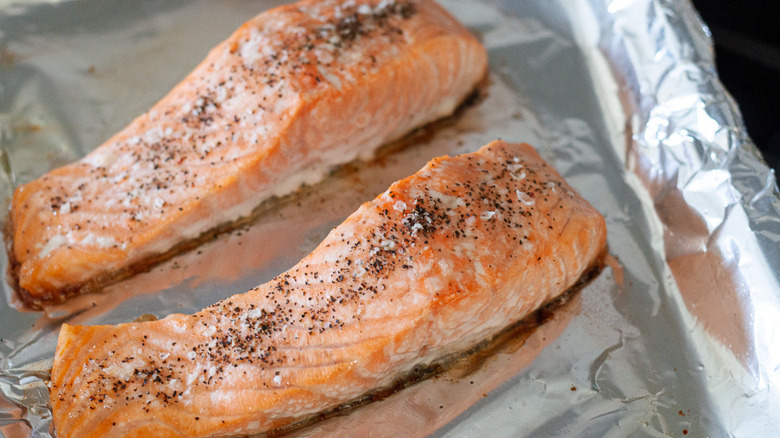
442,260
294,92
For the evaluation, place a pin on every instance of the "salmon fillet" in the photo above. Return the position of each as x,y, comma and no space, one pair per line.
291,94
442,260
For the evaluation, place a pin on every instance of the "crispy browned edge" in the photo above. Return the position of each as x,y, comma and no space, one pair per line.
101,281
481,350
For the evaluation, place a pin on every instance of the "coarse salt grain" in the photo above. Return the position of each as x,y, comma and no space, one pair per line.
524,198
488,215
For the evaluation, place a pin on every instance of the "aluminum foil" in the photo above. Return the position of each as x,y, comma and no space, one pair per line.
678,336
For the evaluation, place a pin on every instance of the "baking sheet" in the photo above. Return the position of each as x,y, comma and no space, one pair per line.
679,336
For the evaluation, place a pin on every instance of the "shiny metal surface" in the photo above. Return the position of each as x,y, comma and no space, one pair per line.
678,336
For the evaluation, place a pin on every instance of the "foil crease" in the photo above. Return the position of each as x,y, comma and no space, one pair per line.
678,336
716,198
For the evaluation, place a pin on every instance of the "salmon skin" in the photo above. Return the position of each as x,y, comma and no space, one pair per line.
439,262
291,94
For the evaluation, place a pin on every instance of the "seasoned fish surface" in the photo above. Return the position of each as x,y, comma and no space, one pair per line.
442,260
291,94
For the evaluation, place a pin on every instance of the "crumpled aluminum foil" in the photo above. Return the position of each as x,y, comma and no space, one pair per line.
678,336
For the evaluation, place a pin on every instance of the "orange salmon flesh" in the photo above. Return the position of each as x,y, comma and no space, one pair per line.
442,260
291,94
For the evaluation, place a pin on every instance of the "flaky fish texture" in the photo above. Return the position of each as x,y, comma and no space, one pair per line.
444,259
291,94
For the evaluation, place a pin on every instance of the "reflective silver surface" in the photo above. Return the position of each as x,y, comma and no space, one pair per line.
679,336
